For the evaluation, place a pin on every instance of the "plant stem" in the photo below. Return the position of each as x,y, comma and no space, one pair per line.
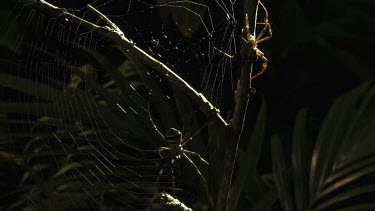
234,129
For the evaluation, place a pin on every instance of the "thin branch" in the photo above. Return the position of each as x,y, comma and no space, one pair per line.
133,52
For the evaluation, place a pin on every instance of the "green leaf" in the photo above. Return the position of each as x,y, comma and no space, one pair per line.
343,154
301,155
68,168
354,175
364,206
282,177
333,130
353,167
354,192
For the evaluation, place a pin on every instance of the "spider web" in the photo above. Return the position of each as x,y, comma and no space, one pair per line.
57,105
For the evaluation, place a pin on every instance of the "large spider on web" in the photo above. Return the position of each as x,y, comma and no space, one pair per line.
176,141
249,52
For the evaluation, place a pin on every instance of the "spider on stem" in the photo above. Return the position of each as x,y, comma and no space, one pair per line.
249,52
176,142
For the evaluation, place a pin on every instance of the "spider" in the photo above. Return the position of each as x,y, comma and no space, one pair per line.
176,142
250,52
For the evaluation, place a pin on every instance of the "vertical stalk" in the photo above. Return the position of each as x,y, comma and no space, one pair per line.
234,129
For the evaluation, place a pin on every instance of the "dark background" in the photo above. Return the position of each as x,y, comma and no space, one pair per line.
319,50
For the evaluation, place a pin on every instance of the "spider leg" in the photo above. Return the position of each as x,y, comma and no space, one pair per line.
187,137
172,176
196,154
245,40
247,27
172,182
265,12
159,175
267,26
252,90
264,65
199,172
230,56
157,133
161,149
247,30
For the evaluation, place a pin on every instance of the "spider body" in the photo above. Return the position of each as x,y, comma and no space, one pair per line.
176,142
174,139
249,51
